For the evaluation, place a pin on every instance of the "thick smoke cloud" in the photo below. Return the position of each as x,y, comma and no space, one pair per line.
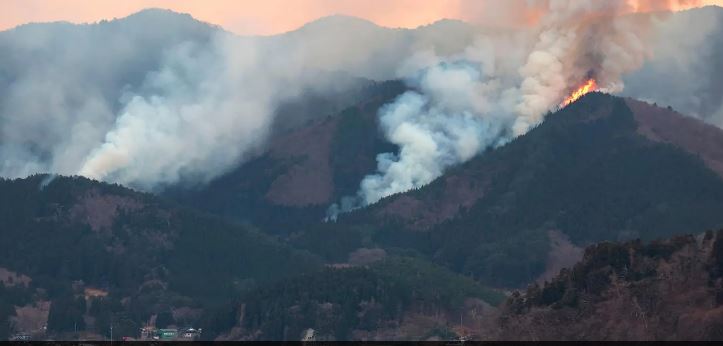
201,112
158,98
60,84
123,101
465,104
456,113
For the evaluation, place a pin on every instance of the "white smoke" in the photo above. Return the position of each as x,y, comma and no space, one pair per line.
687,64
458,111
124,102
158,98
466,104
579,40
203,111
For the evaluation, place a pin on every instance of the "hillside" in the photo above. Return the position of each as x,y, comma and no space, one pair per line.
303,171
232,149
395,298
604,168
73,238
665,290
85,254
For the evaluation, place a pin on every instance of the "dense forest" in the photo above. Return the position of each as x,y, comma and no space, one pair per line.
336,302
156,261
668,289
150,256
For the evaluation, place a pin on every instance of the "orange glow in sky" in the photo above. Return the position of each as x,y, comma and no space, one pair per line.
266,17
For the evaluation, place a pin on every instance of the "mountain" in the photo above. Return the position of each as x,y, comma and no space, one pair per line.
584,131
665,290
247,255
112,253
49,51
603,168
392,298
87,254
372,51
303,171
90,74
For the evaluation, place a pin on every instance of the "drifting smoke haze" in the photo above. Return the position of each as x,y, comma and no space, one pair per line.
687,66
157,98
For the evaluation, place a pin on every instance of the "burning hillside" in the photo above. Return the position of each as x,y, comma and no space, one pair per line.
589,86
463,105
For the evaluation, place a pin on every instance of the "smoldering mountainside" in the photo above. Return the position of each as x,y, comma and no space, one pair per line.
603,168
206,100
445,151
203,97
459,105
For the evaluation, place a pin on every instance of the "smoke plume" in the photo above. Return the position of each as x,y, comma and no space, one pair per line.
158,98
202,111
464,104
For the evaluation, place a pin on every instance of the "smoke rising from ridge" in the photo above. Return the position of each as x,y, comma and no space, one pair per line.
198,113
157,107
466,104
178,105
158,98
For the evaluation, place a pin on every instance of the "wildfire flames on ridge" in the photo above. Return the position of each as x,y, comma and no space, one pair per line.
589,86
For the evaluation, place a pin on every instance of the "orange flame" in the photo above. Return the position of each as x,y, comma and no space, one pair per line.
590,85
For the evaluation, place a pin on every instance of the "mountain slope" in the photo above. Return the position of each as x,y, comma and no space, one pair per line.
665,290
83,254
303,171
71,236
604,168
382,300
589,171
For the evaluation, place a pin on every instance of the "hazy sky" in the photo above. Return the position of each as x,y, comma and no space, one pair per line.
272,16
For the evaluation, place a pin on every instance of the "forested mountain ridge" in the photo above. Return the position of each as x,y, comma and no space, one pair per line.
395,298
84,254
668,289
232,237
592,171
596,115
303,171
71,236
603,168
